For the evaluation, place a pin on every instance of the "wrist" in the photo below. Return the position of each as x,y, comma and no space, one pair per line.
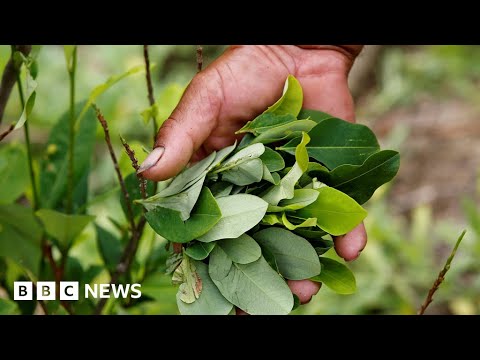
351,51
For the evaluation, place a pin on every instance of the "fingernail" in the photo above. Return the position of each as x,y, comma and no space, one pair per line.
151,159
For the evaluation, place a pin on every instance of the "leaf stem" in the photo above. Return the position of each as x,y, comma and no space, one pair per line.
71,131
441,276
28,145
6,132
199,58
142,183
151,97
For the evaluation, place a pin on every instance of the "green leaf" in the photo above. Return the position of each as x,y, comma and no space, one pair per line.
150,113
100,89
281,218
296,302
291,100
272,178
199,250
337,142
317,116
273,160
272,219
8,307
265,122
169,224
168,100
20,235
187,177
246,140
31,86
190,282
255,287
182,203
53,174
361,181
14,170
285,190
336,212
110,248
301,224
69,52
336,276
242,250
270,259
133,188
321,245
312,171
240,213
301,198
221,188
172,262
311,233
285,132
210,301
221,155
244,174
64,228
246,154
295,257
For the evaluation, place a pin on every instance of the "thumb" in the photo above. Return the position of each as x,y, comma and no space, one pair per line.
187,128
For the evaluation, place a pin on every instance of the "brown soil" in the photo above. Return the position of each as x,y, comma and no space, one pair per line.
440,157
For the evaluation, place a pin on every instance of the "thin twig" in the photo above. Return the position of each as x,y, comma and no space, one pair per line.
6,132
151,97
58,271
126,196
131,154
9,77
41,302
177,248
131,248
199,58
440,277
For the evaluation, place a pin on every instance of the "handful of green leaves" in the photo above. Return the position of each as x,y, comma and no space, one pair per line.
261,211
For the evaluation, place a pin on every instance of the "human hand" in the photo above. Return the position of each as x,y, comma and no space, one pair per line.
236,88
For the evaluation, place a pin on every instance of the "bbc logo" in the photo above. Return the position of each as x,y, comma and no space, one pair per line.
23,290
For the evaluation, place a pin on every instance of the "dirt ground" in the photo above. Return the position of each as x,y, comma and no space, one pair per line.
440,156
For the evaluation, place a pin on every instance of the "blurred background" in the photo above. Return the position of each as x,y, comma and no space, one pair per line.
423,101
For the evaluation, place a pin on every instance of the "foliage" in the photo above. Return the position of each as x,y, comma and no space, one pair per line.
392,275
257,220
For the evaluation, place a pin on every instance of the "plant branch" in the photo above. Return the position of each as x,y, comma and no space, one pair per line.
441,276
41,302
125,261
58,271
123,187
27,141
199,58
131,248
6,132
151,97
131,154
9,77
71,131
